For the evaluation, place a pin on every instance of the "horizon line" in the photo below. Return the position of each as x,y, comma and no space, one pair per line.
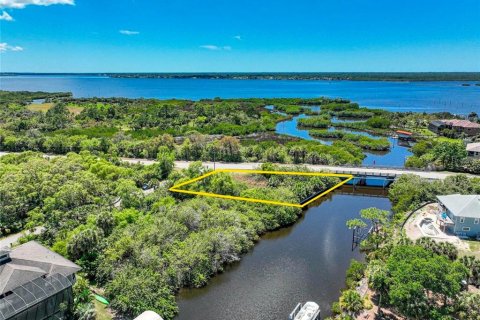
226,72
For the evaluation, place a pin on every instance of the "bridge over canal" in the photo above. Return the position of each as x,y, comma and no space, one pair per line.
357,171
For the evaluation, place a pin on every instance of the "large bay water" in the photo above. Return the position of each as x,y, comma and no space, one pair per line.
396,96
304,262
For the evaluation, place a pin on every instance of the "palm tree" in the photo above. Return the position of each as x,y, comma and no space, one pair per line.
351,302
473,116
473,266
448,249
85,311
467,306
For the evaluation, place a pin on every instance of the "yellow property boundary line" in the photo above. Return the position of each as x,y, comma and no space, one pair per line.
176,188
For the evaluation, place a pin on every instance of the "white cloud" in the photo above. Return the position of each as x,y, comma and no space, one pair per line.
5,16
129,32
20,4
5,47
210,47
215,48
238,37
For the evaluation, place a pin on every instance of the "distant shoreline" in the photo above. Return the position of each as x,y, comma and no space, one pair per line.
313,76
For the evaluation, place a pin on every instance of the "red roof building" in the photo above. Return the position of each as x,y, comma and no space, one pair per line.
404,135
462,123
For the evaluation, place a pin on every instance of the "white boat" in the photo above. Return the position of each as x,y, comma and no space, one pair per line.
308,311
149,315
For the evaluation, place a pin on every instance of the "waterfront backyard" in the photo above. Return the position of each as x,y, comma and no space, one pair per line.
414,230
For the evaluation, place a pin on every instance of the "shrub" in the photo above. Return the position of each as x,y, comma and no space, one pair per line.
314,122
379,122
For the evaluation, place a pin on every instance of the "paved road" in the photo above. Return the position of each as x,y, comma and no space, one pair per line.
8,241
436,175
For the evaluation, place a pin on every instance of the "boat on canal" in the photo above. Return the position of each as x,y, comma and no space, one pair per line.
308,311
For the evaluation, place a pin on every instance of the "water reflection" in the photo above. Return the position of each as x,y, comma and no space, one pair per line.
306,261
396,157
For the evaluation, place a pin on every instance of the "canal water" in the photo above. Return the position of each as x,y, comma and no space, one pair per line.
304,262
394,158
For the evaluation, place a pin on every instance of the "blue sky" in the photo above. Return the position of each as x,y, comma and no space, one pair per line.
240,36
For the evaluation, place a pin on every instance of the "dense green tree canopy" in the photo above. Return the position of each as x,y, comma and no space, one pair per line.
142,247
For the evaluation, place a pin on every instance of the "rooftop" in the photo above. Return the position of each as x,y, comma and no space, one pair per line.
29,275
473,147
30,261
408,133
437,123
467,206
461,123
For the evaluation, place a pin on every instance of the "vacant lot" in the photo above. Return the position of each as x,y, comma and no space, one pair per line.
474,248
44,107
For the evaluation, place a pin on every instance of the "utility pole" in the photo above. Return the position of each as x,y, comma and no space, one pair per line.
214,159
353,238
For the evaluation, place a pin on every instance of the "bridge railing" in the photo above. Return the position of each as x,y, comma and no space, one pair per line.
379,167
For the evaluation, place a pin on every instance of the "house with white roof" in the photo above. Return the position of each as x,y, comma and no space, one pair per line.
461,214
473,149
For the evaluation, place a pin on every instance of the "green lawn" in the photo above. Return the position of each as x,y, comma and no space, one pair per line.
425,132
102,311
445,139
474,248
44,107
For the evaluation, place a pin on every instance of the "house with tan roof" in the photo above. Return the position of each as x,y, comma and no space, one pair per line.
467,127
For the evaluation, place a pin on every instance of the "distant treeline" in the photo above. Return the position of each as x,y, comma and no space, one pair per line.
353,76
25,97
